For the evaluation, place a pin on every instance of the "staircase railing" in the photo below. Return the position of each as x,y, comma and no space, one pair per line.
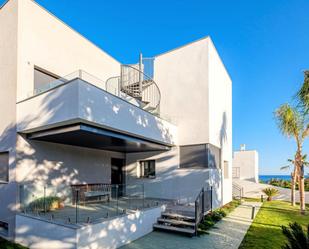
237,191
203,204
135,83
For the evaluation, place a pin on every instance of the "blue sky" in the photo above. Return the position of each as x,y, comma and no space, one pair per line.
264,45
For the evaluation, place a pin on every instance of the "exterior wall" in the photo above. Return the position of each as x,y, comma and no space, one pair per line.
58,166
196,95
171,182
182,77
48,43
248,163
37,234
110,234
8,79
117,232
220,116
81,101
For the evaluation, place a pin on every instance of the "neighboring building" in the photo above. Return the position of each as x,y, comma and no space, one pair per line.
246,164
92,151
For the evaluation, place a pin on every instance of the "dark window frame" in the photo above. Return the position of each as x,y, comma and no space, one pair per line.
7,180
150,173
5,227
199,156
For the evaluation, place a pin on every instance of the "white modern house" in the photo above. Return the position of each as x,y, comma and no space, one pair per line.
95,153
246,164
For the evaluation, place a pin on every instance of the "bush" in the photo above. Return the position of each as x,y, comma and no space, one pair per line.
51,203
270,192
297,237
211,218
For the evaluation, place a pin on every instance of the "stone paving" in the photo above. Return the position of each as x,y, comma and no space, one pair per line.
227,234
254,190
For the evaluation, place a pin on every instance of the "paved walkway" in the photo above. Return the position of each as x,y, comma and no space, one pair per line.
227,234
252,189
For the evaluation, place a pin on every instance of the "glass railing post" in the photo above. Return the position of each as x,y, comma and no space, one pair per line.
44,199
21,199
117,204
76,205
143,195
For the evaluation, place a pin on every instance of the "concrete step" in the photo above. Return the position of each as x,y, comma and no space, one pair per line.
178,216
188,231
176,222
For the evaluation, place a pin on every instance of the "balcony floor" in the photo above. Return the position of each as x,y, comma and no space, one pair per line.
95,212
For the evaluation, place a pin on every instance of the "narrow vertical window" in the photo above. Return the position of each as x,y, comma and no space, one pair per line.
226,170
147,169
4,167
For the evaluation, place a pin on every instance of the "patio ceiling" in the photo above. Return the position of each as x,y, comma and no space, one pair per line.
85,135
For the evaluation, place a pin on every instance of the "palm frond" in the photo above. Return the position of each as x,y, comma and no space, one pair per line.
289,121
303,93
286,167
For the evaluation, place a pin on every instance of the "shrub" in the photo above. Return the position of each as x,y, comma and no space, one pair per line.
51,203
270,192
211,218
296,236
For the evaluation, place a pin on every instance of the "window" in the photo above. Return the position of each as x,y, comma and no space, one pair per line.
4,166
42,79
199,156
4,228
147,169
226,170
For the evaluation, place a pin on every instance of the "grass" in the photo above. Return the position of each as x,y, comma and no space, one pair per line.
4,244
265,231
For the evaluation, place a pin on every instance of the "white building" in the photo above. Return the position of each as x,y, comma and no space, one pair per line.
93,151
246,165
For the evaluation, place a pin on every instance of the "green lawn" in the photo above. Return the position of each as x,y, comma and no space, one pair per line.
265,231
4,244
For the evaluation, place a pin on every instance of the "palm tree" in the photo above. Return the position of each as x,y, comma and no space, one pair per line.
270,192
291,163
303,102
291,123
294,122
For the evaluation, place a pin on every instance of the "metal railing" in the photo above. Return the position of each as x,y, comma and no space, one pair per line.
237,191
202,204
82,203
135,83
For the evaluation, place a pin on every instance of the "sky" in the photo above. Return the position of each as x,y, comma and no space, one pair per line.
264,45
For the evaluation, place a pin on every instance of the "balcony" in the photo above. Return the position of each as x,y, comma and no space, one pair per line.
75,111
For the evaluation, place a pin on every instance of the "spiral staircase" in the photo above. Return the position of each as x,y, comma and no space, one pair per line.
135,83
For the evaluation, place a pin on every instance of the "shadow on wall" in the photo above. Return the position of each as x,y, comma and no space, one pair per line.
172,182
182,184
81,99
37,167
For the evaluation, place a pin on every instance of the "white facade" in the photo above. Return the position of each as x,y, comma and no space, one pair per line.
195,110
246,165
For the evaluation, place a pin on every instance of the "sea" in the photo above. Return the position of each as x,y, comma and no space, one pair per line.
266,178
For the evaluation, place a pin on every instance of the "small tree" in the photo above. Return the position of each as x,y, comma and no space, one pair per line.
297,237
270,192
291,123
